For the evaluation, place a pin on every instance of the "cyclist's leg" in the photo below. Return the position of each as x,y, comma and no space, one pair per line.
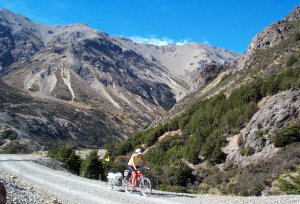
131,174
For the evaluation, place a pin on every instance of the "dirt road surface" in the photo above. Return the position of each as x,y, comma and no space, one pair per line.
72,189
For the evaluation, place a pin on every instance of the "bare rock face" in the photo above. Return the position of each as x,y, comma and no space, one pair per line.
16,41
294,14
267,38
3,193
195,64
273,114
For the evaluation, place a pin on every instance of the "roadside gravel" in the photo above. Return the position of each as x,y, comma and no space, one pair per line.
18,192
71,189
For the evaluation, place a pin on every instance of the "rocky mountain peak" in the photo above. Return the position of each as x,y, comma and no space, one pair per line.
268,37
294,14
193,63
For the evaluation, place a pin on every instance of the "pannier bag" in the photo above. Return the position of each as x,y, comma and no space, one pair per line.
116,178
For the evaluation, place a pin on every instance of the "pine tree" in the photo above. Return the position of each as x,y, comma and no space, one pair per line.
91,167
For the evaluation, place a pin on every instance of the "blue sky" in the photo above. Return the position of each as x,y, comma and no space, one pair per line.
230,24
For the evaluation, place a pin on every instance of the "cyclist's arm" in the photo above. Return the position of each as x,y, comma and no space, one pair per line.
144,161
134,165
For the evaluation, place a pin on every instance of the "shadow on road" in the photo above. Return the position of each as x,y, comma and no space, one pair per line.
16,160
164,194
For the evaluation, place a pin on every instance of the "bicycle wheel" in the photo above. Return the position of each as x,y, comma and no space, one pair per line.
129,186
124,182
110,183
145,186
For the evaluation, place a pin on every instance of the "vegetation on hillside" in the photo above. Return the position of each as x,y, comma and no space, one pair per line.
45,126
9,134
90,167
205,127
291,183
67,156
287,135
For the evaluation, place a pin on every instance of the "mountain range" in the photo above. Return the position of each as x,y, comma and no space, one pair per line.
127,85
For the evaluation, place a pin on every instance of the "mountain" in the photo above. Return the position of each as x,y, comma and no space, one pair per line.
240,133
195,64
42,122
268,38
75,66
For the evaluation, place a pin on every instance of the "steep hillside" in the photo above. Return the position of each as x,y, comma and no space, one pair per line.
237,134
41,122
195,64
275,46
78,66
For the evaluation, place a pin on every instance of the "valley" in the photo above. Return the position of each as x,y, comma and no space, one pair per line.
211,121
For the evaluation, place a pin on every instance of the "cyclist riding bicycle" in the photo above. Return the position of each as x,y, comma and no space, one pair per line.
134,162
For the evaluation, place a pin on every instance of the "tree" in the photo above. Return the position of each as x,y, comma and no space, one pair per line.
9,134
91,167
67,156
287,135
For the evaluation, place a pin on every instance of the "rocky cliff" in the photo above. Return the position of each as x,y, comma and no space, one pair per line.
268,38
274,113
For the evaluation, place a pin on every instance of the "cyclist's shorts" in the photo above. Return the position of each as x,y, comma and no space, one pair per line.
131,169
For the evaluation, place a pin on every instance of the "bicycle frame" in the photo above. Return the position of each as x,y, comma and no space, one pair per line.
143,183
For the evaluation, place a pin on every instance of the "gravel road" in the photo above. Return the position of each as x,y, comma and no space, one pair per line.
71,189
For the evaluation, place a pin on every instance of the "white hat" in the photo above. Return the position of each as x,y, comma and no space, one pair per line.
138,151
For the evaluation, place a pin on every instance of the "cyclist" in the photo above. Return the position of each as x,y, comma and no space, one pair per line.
134,162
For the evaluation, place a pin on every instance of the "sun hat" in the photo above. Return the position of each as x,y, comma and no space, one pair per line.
138,151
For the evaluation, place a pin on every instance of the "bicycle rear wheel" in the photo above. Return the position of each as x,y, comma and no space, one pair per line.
129,187
110,183
146,187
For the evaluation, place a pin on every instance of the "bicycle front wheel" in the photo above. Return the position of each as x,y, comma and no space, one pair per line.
145,186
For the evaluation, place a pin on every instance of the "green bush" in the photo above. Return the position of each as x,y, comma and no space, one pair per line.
91,167
9,134
11,148
14,147
291,60
297,36
67,156
287,135
247,151
291,184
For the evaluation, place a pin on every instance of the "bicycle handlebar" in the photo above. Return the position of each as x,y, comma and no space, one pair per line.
143,168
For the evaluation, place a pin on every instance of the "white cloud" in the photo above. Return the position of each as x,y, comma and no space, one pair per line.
152,40
158,41
205,41
182,42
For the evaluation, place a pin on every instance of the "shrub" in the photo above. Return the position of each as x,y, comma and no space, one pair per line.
287,135
11,148
291,184
14,147
9,134
67,156
91,167
247,151
291,60
297,36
